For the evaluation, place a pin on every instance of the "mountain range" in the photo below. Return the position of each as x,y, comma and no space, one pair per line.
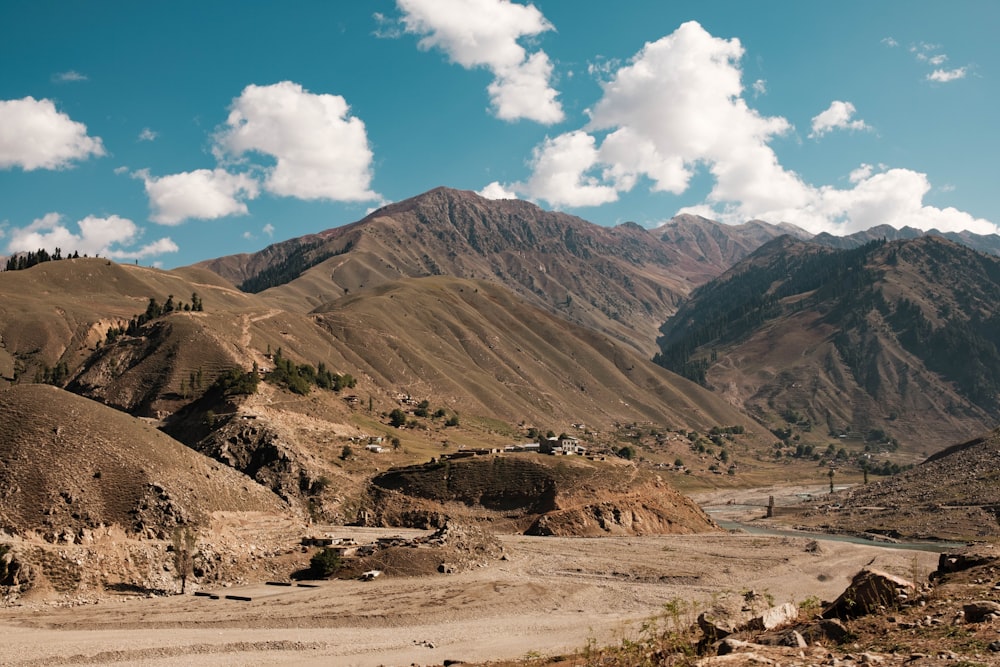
488,322
894,339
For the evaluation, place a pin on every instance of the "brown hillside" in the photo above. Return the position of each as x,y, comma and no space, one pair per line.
479,349
537,494
621,281
68,464
953,495
60,311
893,340
469,347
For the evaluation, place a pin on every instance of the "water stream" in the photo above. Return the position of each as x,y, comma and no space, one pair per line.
935,547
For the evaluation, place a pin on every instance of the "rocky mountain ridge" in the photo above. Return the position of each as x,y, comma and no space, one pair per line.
894,338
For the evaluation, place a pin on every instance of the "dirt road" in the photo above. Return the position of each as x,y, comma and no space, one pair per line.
550,596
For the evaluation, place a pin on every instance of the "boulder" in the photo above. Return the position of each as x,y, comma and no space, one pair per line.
869,591
981,610
774,617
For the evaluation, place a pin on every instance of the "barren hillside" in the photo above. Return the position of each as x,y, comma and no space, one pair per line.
68,464
621,281
885,345
952,495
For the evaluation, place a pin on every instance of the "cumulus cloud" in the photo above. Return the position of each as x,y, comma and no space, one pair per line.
148,134
678,108
838,116
892,196
34,135
320,150
204,194
268,229
497,191
890,42
108,237
759,87
946,75
675,106
485,33
560,169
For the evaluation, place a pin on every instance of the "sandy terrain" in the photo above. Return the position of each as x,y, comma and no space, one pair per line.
550,596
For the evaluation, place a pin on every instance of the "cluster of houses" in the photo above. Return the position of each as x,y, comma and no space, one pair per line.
564,446
567,445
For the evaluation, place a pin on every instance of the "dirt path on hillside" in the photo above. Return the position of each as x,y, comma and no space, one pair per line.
550,596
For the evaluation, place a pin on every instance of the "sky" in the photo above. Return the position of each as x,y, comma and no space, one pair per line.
170,132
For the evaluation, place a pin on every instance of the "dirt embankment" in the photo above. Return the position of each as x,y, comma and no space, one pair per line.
534,494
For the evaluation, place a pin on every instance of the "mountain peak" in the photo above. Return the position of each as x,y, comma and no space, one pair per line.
451,197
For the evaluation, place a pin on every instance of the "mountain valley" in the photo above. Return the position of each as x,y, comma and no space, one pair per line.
408,370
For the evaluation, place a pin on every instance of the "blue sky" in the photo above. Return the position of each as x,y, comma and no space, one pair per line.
172,132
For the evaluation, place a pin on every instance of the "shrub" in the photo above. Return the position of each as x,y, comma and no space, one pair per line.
626,452
325,562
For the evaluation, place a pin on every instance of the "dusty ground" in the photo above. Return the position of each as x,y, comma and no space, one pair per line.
550,596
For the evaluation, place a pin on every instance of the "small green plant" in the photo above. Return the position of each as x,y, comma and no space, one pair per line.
810,604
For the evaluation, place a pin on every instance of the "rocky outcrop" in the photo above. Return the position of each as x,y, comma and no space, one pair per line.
870,591
259,453
649,513
534,494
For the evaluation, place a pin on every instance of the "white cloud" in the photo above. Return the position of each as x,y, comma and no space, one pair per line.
497,191
153,249
203,193
69,77
321,151
925,53
108,237
838,116
559,172
861,173
148,134
759,87
677,107
268,229
485,33
890,42
946,75
893,197
34,135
